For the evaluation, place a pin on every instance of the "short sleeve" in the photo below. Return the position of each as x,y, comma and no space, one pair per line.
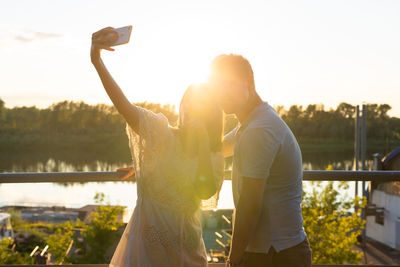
152,136
152,126
258,148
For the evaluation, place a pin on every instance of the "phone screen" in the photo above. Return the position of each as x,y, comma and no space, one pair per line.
124,34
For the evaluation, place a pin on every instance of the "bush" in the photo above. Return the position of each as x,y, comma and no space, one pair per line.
331,229
60,241
8,255
100,233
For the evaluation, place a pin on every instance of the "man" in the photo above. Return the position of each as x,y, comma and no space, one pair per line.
267,173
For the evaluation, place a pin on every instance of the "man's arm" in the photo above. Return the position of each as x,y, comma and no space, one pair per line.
247,213
257,151
228,143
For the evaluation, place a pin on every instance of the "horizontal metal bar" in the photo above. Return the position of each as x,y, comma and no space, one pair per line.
58,265
209,265
60,177
75,177
377,176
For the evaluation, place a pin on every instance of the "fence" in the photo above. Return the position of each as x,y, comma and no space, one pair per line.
64,177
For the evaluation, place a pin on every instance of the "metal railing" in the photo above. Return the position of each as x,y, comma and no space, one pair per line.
111,176
209,265
68,177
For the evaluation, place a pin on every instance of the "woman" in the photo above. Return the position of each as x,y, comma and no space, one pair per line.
175,169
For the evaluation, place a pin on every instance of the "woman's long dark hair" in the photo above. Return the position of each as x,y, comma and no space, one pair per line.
204,107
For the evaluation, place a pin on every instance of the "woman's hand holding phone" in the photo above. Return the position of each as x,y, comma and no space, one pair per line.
102,39
107,37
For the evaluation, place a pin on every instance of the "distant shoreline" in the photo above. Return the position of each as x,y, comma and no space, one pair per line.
118,144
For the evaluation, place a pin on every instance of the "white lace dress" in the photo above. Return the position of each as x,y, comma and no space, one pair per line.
165,228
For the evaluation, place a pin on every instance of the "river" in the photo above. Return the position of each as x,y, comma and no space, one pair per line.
121,193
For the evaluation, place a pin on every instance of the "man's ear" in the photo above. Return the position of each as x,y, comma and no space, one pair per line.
246,86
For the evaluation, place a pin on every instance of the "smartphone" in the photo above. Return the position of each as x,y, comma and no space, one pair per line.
124,34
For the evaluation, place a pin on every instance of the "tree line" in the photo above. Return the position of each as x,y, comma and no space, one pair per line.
68,122
314,121
68,117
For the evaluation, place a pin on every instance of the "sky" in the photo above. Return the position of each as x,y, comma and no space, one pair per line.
302,52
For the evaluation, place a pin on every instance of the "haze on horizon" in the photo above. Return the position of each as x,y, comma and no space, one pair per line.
302,52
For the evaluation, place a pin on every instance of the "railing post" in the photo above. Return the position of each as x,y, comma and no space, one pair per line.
363,165
356,144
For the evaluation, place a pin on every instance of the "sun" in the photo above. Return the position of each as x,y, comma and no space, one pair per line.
200,76
197,72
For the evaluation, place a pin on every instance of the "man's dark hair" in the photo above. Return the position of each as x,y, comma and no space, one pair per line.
235,65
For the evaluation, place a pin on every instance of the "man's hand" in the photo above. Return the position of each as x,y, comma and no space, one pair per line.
102,40
130,172
232,264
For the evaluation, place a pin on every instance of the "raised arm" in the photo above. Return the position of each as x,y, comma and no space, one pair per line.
101,40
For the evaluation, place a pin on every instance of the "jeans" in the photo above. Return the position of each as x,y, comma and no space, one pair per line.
296,256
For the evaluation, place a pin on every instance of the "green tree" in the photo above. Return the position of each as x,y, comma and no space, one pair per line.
60,241
346,110
2,111
331,229
100,233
